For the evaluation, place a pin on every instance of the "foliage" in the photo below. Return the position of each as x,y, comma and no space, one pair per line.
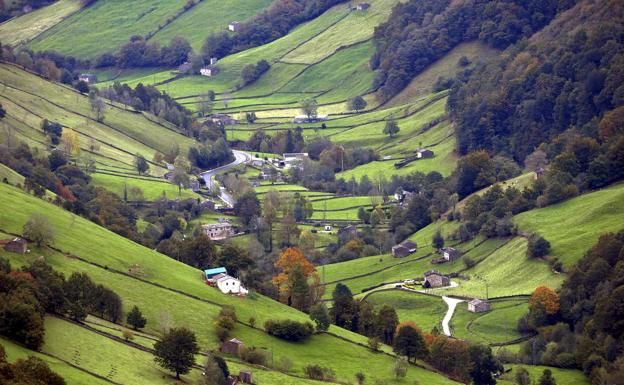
29,371
289,330
357,104
251,73
176,351
410,343
309,107
484,365
391,128
135,318
38,229
320,315
216,371
318,372
538,247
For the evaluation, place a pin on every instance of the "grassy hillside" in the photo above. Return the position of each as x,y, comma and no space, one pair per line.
153,188
426,311
29,99
572,226
106,256
496,326
22,29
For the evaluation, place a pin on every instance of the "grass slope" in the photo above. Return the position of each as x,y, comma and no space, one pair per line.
426,311
152,188
22,29
100,246
496,326
573,226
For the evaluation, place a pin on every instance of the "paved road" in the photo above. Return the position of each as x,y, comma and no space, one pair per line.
240,157
452,303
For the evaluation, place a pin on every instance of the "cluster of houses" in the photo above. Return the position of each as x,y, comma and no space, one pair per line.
219,231
219,278
404,249
15,245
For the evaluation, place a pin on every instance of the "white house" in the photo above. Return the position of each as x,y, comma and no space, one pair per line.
234,26
209,71
292,159
230,285
213,61
306,119
328,228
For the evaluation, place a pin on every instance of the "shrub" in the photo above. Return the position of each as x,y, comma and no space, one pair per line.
318,372
289,330
254,355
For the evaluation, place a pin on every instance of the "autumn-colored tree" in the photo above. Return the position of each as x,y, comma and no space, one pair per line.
70,142
64,191
290,260
411,324
546,297
612,124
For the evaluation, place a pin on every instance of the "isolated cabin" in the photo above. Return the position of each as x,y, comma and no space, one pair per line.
223,119
436,279
213,61
403,196
479,306
362,6
209,71
88,78
450,253
16,245
234,26
328,228
218,231
424,153
404,249
232,346
245,377
307,119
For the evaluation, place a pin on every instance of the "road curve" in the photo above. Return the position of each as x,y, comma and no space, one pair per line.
452,303
208,176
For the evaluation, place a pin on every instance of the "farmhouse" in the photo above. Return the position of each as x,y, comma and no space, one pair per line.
450,253
234,26
257,162
306,119
88,78
403,196
328,228
229,285
210,274
404,249
223,119
478,306
184,67
218,231
436,279
245,377
209,71
424,153
232,346
15,245
362,6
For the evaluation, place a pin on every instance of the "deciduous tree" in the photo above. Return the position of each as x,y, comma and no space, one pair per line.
176,351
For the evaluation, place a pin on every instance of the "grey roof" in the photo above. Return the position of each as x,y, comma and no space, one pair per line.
409,244
433,272
224,278
477,301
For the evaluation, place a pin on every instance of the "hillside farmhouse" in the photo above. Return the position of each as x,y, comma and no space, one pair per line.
479,306
232,346
15,245
209,71
424,153
223,119
450,253
229,285
218,231
234,26
403,196
294,159
88,78
306,119
436,279
404,249
362,6
213,61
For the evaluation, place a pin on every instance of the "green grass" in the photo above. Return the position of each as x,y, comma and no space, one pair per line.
28,99
100,246
72,375
562,376
26,27
152,188
573,226
496,326
426,311
213,16
105,26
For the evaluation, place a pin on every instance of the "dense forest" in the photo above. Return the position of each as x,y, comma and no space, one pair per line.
418,33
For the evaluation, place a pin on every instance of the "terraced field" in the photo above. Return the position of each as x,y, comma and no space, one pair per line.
152,188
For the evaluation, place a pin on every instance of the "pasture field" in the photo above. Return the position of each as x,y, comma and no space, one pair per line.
562,376
426,311
496,326
105,26
153,188
28,99
575,225
22,29
213,16
281,187
121,255
72,375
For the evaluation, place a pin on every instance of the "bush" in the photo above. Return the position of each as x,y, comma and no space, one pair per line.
289,330
318,372
254,355
538,247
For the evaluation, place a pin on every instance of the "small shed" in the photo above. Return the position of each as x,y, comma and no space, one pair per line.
232,346
223,119
88,78
328,228
400,251
213,61
362,6
234,26
450,253
411,245
424,153
16,245
436,279
479,306
209,71
245,376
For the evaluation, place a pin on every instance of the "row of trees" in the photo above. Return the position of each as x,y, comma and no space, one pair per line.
28,293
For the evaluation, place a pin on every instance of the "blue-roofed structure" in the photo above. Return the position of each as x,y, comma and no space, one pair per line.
210,273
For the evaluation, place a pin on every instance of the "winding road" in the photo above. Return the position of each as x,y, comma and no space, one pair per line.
240,158
452,303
